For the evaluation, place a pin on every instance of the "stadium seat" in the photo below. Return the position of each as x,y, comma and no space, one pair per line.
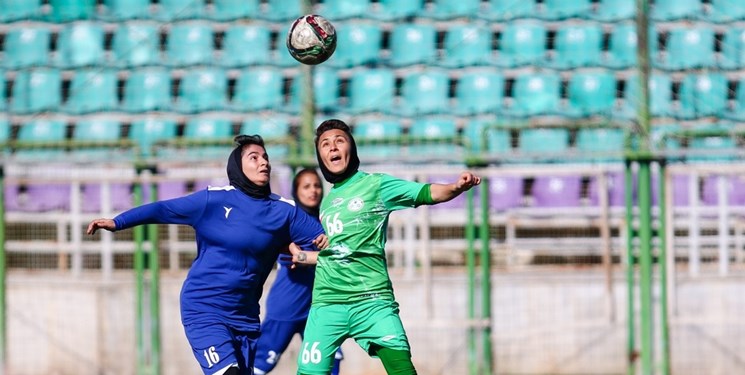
733,48
281,10
434,138
703,95
370,133
97,130
231,10
507,10
371,90
19,10
147,89
212,129
120,197
135,44
424,92
325,91
522,43
246,45
616,189
466,45
258,89
147,132
563,9
479,92
738,108
671,10
577,46
344,9
536,94
590,94
40,131
26,47
483,136
189,43
412,43
505,192
600,144
542,144
174,10
396,10
202,89
557,191
712,148
281,57
660,96
688,48
614,10
622,47
726,11
276,132
450,9
123,10
92,90
3,99
80,44
71,10
357,43
36,90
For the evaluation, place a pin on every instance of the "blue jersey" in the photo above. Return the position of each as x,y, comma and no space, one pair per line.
238,239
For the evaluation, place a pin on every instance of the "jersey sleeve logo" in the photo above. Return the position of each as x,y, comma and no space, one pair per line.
355,204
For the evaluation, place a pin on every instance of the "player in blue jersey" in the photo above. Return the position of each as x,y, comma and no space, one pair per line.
289,298
240,229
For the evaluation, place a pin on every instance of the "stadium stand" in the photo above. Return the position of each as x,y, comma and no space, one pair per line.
325,91
543,144
466,45
732,55
92,90
672,10
105,131
70,10
450,9
562,9
703,95
506,10
590,94
522,43
688,48
36,132
412,43
148,132
358,43
189,43
726,11
147,89
123,10
577,46
80,44
36,90
134,44
275,130
557,191
343,9
536,94
230,10
19,10
201,129
394,10
258,88
434,138
281,10
424,92
371,90
175,10
202,89
246,45
26,47
483,136
479,92
622,47
372,134
614,10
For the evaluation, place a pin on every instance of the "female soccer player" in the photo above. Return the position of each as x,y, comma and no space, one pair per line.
239,229
352,295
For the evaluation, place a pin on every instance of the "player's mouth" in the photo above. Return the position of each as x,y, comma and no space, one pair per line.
335,158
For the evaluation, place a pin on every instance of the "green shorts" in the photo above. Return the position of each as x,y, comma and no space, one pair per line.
370,322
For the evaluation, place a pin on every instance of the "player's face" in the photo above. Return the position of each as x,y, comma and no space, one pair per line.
333,146
309,190
255,164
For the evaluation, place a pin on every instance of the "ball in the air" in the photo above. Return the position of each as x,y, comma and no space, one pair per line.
311,39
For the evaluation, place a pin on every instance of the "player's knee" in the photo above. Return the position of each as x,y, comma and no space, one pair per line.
396,362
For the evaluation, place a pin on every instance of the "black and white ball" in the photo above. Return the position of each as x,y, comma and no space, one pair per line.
311,39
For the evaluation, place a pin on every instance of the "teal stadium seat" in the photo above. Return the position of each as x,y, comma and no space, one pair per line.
543,144
135,44
147,89
276,132
466,45
232,10
671,10
663,139
396,10
175,10
704,94
19,10
92,90
281,10
146,133
688,48
412,44
189,43
535,94
40,131
600,144
479,92
591,94
326,87
26,47
3,99
733,48
507,10
246,45
563,9
94,130
622,47
522,42
424,92
344,9
202,89
80,44
371,90
208,129
660,96
614,10
357,43
738,108
258,89
577,46
726,11
708,149
484,136
370,135
71,10
434,138
123,10
37,90
450,9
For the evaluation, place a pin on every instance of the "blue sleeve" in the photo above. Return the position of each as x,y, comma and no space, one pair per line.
304,229
183,210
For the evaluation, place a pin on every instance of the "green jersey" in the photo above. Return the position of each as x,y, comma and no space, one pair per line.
355,216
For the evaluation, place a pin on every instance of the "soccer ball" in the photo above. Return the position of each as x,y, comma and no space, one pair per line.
311,39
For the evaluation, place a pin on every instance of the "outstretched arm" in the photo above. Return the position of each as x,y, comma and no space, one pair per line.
102,223
445,192
302,258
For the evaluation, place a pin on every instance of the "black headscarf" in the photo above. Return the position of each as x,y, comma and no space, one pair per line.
313,211
354,160
235,171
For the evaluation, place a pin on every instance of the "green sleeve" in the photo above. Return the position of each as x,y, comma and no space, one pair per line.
425,195
398,194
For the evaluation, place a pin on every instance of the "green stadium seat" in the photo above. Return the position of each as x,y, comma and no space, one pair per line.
660,96
371,90
726,11
275,130
258,89
522,42
80,44
591,94
26,47
733,48
189,43
19,10
208,129
614,10
483,136
147,89
577,46
232,10
396,10
708,149
688,48
147,132
97,130
135,44
175,10
563,9
123,10
71,10
450,9
704,94
434,138
479,92
466,45
92,90
600,144
282,10
343,9
246,45
536,94
507,10
370,133
424,92
622,47
543,144
202,89
671,10
357,43
325,91
412,44
37,90
40,131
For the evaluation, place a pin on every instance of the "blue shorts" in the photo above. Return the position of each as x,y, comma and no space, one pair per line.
218,347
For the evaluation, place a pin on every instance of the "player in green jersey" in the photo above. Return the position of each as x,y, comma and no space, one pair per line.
352,294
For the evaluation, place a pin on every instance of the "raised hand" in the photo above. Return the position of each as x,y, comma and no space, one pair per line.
97,224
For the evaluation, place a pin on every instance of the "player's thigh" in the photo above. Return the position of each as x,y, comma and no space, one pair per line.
325,330
377,322
275,337
216,347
